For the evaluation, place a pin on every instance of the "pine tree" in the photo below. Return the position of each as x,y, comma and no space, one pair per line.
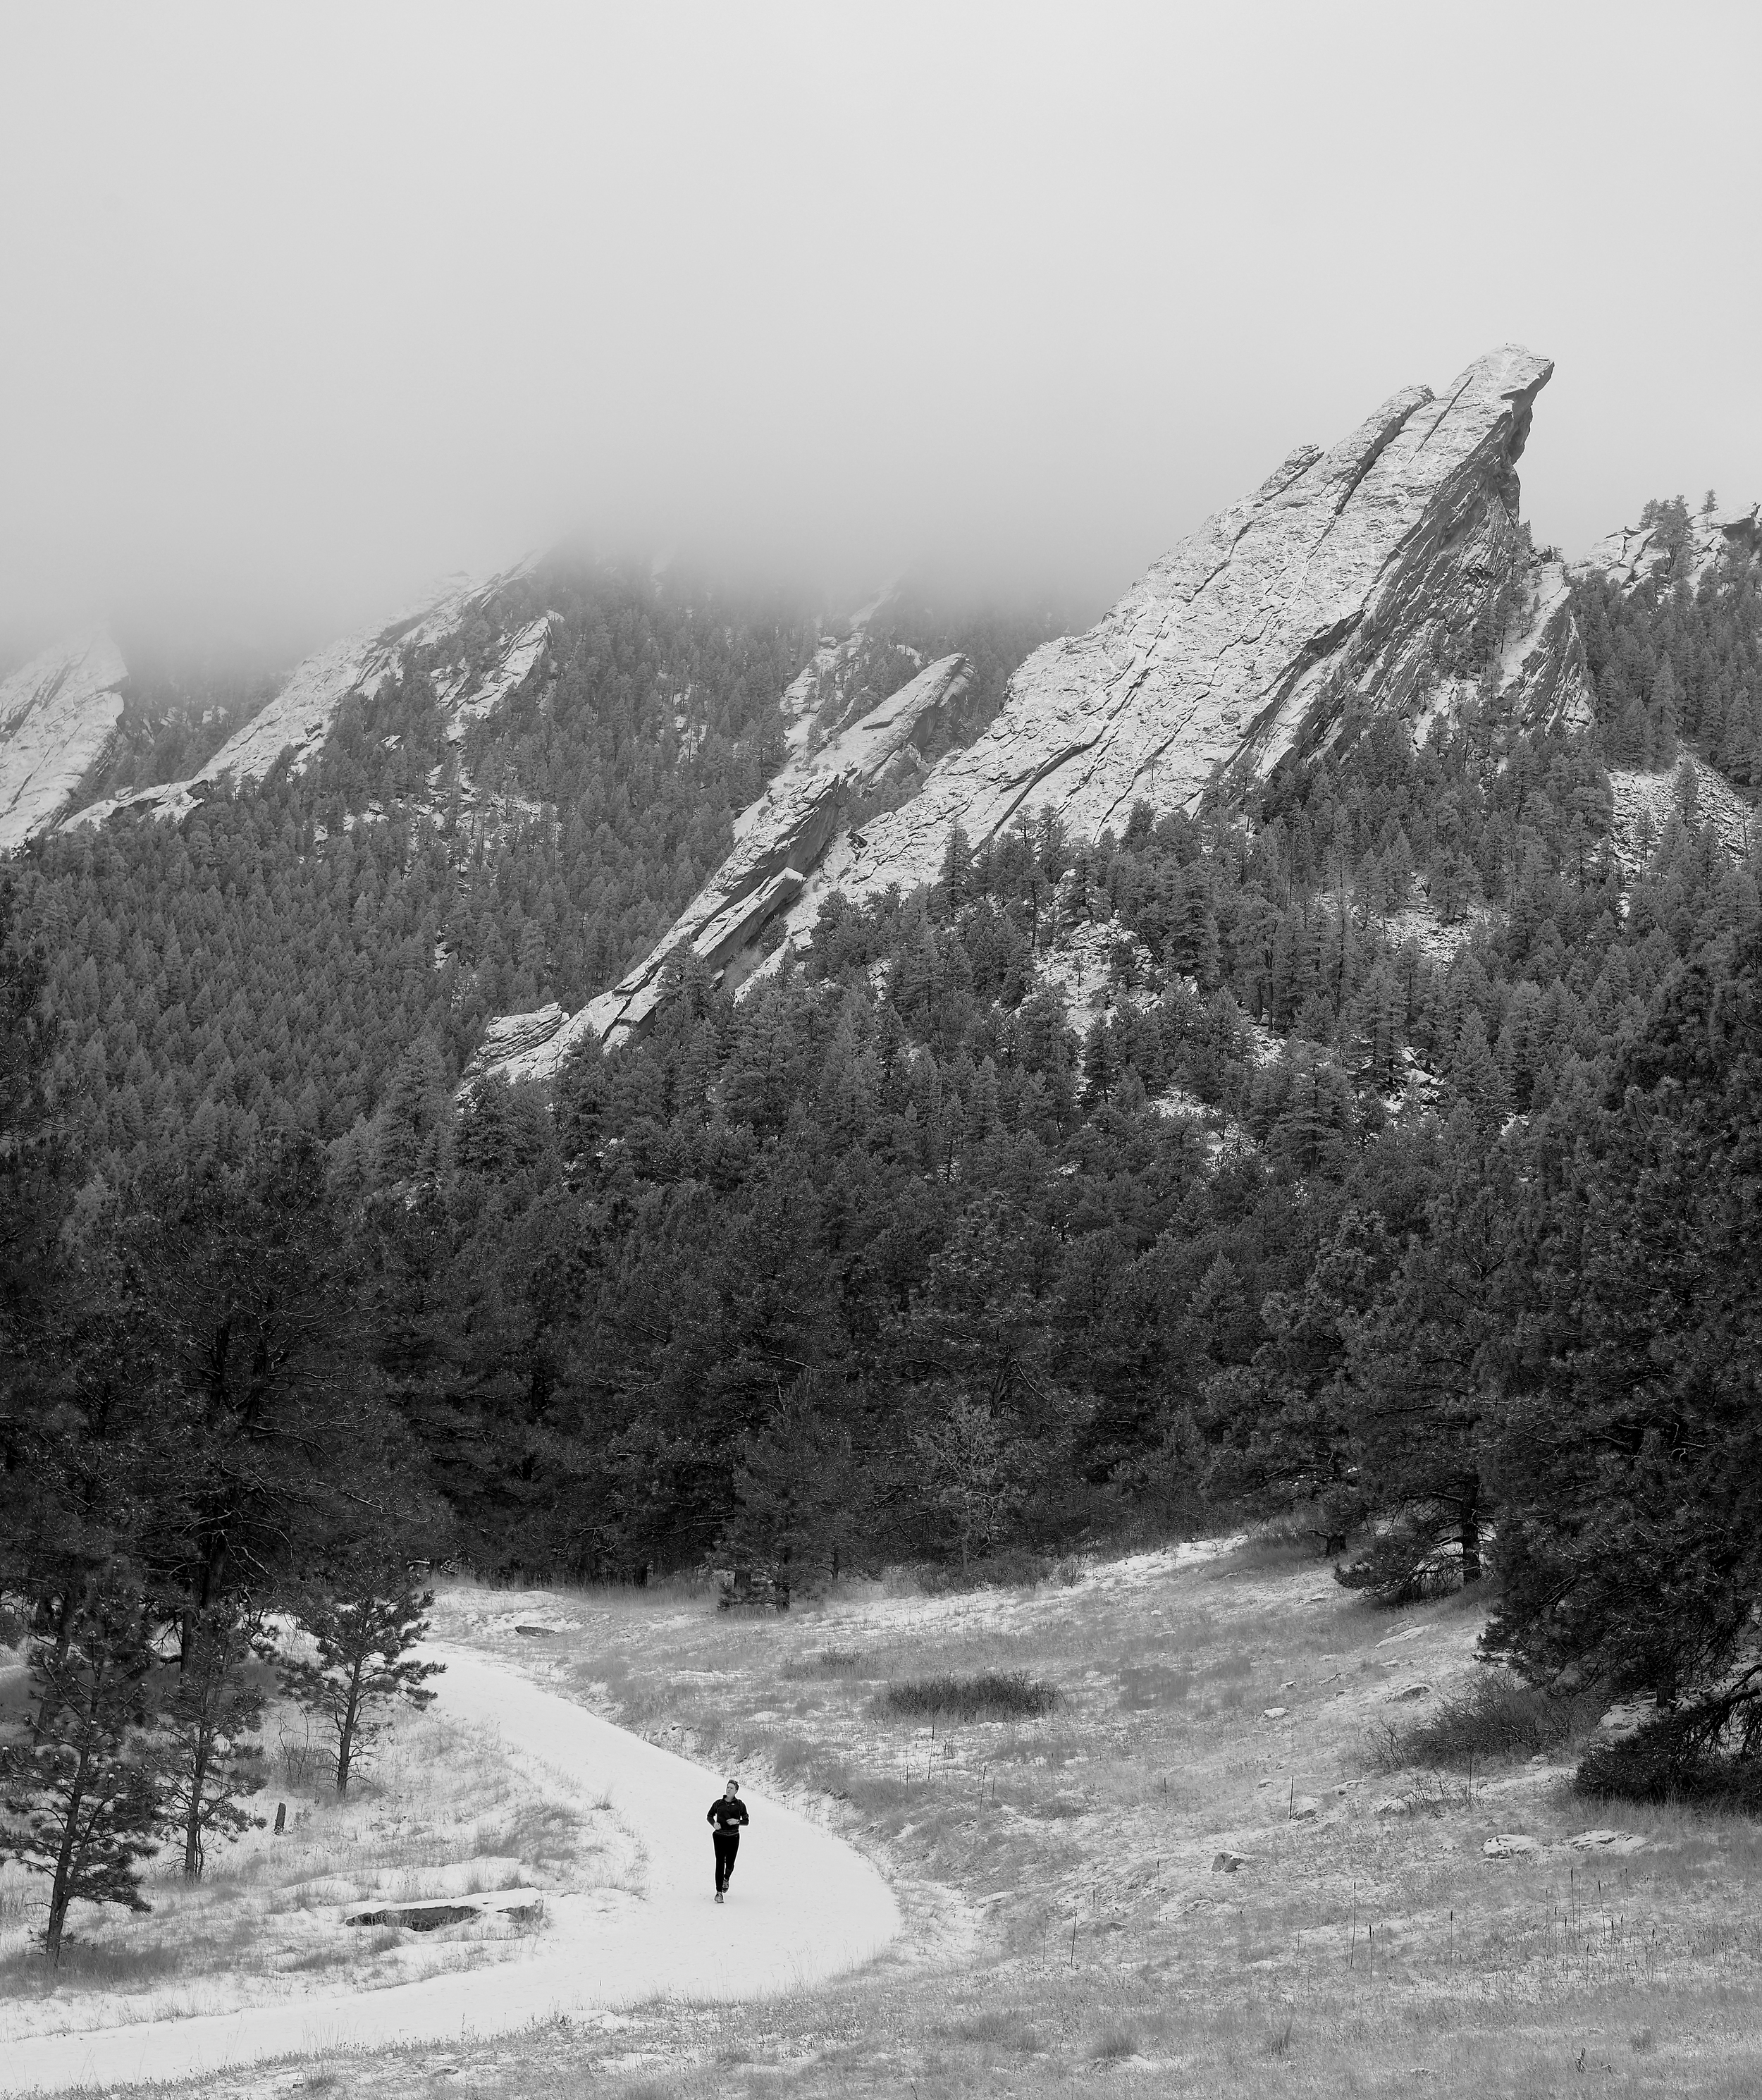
212,1710
1629,1449
795,1509
87,1785
363,1633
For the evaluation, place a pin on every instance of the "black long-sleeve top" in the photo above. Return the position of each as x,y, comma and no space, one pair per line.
723,1812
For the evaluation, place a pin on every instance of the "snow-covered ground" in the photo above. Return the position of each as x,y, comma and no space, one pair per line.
804,1905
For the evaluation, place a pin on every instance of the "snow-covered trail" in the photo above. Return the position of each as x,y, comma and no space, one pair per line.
803,1905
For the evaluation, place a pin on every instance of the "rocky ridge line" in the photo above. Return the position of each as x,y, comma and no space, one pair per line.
301,716
1390,573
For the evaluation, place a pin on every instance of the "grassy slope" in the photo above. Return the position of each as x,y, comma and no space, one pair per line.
1358,1952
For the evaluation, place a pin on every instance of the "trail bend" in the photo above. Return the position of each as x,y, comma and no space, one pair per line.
804,1906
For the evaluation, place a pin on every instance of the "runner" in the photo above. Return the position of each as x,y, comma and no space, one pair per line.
727,1812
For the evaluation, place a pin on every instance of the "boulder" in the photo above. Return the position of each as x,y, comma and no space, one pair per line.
417,1917
1231,1863
1509,1847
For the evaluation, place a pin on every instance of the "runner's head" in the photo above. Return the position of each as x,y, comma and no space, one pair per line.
733,1788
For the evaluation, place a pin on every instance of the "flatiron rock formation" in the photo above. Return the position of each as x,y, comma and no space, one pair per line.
300,717
57,713
778,841
1390,573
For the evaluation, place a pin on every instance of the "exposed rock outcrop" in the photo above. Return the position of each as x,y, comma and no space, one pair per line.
778,842
302,715
1653,554
1390,573
57,713
1645,802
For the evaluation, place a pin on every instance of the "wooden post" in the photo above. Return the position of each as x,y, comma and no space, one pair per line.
281,1818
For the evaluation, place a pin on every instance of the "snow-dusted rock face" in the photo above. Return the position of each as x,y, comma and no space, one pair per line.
56,715
779,841
1390,571
301,716
1643,553
1357,574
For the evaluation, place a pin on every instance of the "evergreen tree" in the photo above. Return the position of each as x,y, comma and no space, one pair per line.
1629,1450
210,1713
85,1788
363,1631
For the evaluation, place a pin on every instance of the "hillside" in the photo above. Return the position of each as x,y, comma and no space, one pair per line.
1366,1133
1244,1847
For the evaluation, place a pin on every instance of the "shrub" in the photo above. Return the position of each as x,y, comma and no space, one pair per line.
1012,1567
829,1662
1671,1759
992,1696
1500,1716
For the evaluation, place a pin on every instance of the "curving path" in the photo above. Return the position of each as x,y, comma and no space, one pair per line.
804,1905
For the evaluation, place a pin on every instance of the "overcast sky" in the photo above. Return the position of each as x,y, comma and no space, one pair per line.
300,305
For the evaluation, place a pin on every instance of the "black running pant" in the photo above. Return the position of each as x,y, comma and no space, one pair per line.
727,1844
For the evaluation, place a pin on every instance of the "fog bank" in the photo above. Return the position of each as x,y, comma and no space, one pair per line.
304,306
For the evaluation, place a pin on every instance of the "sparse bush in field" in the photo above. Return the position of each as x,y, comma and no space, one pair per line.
1002,2030
1432,1794
1280,1543
1499,1716
992,1696
1113,2046
1010,1569
829,1662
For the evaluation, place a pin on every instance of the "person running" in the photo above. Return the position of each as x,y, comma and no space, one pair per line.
727,1812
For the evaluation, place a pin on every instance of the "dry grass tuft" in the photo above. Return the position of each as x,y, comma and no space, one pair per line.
992,1696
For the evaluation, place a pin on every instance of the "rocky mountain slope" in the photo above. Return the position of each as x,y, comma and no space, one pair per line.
778,841
57,713
487,656
1390,572
1650,553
